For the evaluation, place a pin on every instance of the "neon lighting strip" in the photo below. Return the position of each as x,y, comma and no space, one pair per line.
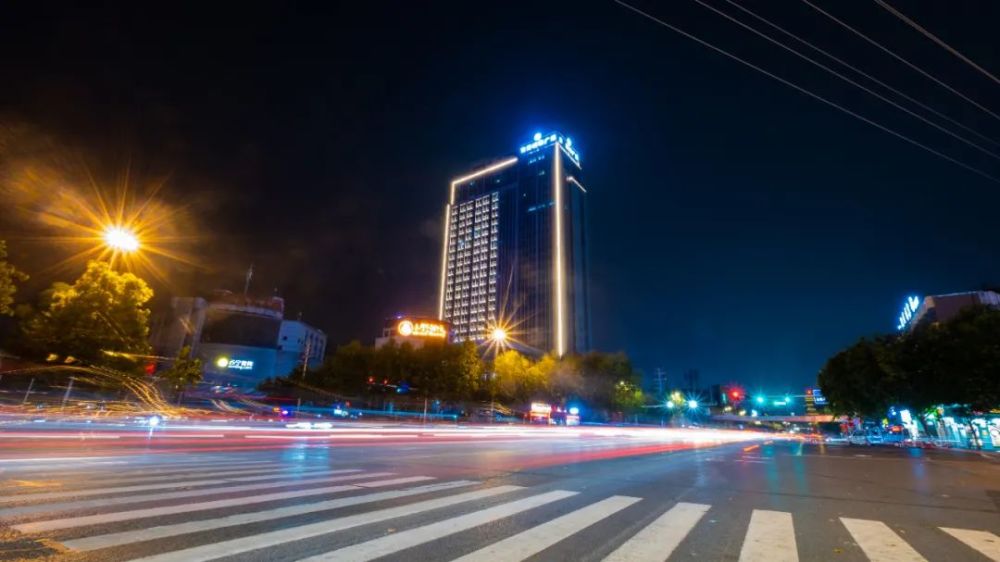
447,220
572,180
476,174
444,259
560,320
572,155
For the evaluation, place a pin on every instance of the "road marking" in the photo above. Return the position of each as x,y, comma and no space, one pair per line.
51,459
63,436
770,538
399,541
272,474
264,540
538,538
658,540
879,542
11,512
985,542
130,537
203,473
101,518
100,468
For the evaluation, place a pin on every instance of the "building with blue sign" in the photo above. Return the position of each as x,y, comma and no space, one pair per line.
241,341
941,308
514,259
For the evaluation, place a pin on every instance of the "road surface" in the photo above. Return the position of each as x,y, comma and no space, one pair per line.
405,494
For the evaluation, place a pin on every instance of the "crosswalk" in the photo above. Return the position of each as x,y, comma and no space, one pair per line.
312,513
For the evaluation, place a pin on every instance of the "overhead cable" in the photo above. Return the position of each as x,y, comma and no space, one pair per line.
901,59
934,38
807,92
846,64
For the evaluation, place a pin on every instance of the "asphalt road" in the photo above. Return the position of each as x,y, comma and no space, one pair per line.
444,494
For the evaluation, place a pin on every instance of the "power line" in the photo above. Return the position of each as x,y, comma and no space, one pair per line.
807,92
848,80
900,59
934,38
863,73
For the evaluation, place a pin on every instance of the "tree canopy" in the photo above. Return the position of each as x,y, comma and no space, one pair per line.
9,277
461,372
954,362
103,312
185,372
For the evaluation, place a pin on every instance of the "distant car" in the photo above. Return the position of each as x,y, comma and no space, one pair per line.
865,437
896,434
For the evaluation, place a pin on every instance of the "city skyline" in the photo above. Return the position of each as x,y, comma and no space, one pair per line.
738,227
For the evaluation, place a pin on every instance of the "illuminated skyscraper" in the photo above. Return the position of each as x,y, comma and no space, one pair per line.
515,250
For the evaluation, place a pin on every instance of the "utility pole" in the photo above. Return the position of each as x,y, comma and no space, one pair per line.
69,389
305,358
246,284
30,385
661,379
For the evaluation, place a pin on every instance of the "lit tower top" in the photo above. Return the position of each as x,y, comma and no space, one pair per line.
514,257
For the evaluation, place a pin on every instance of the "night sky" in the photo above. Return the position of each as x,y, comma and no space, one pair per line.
737,226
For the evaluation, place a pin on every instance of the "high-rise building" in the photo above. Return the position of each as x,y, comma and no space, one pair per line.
515,250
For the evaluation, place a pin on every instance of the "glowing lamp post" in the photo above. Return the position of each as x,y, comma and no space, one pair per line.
499,336
121,239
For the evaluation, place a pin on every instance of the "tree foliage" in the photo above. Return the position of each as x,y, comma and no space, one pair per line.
459,372
9,277
103,311
185,371
954,362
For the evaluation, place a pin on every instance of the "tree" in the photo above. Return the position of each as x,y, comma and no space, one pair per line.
100,316
346,371
857,381
469,368
184,373
514,377
628,398
601,372
9,276
953,362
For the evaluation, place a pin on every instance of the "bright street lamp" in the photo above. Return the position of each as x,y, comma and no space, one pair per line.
121,239
499,335
692,404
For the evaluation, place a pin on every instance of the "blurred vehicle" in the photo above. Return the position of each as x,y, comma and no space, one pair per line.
869,436
540,413
895,434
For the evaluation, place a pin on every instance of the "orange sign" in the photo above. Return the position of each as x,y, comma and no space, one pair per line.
422,329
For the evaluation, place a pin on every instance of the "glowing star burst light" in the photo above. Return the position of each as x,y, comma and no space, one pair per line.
120,239
499,335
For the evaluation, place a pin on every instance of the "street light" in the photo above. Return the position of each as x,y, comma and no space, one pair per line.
120,239
499,335
692,404
760,399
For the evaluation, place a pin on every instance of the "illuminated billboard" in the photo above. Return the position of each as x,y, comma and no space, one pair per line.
421,328
237,364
